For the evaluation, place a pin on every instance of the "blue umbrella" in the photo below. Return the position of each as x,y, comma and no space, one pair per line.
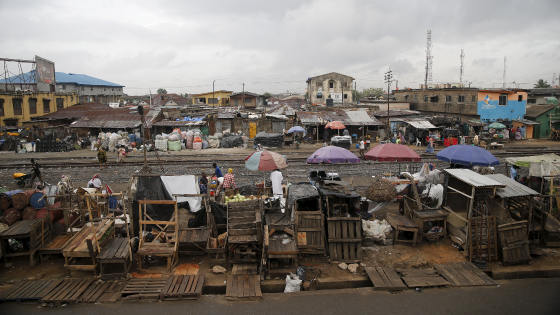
296,129
467,155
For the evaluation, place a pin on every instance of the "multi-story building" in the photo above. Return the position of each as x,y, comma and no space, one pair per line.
216,98
469,103
247,100
19,106
331,85
89,89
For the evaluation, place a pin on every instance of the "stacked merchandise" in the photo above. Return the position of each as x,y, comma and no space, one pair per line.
342,141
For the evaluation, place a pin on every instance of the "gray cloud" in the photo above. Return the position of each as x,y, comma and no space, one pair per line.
276,45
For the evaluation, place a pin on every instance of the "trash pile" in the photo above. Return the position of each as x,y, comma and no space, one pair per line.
194,139
112,141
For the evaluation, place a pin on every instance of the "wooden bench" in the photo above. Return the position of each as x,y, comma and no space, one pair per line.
54,247
36,231
116,251
405,224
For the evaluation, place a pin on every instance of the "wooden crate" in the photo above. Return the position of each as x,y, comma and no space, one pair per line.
345,239
243,288
184,287
310,231
514,243
140,289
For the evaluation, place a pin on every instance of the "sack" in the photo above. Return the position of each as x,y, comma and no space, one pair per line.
293,284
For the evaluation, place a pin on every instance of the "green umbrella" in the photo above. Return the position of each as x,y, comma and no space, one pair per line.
497,125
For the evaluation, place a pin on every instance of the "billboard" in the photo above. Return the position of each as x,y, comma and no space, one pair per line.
44,70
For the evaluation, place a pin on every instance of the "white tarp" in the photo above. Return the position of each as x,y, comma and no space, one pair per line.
183,184
539,165
422,124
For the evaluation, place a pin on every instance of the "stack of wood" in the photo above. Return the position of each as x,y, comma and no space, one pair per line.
381,190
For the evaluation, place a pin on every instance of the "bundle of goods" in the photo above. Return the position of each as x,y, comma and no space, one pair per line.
269,139
197,143
173,145
231,141
381,190
214,141
190,138
161,145
342,141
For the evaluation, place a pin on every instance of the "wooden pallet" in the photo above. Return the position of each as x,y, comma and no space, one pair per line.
243,288
109,291
464,274
345,239
418,278
244,269
185,287
483,240
29,290
139,289
67,292
514,243
385,279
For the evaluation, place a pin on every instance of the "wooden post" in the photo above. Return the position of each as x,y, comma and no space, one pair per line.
530,214
92,224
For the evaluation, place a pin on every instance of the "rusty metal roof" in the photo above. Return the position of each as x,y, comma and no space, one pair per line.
162,99
227,112
513,188
180,123
284,109
115,118
74,111
397,112
348,118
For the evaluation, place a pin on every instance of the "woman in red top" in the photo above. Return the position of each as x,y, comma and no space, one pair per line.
229,180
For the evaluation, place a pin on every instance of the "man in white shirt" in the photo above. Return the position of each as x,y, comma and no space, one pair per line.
362,147
95,182
276,179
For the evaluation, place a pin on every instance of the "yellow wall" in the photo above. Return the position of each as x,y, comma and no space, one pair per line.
69,100
223,95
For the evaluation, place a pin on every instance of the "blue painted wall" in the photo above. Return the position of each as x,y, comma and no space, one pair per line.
492,111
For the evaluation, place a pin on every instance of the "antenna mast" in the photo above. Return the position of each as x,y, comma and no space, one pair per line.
505,68
428,77
462,71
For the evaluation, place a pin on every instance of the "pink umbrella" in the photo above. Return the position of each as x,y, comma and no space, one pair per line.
335,125
392,152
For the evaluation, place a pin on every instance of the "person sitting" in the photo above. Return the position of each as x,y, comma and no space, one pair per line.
95,182
524,182
203,183
229,180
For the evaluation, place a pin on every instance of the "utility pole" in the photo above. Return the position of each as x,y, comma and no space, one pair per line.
388,79
428,76
355,94
342,96
462,69
213,98
243,97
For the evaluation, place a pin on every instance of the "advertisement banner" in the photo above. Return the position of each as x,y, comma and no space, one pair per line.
44,70
337,97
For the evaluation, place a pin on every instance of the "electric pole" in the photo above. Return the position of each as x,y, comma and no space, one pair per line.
388,79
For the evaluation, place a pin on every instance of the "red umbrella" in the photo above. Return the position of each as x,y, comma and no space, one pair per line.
392,152
335,125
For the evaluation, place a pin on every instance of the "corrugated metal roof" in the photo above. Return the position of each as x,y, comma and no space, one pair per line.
359,116
397,112
355,118
114,118
180,123
513,188
422,124
527,122
282,110
74,111
227,113
82,79
535,111
473,178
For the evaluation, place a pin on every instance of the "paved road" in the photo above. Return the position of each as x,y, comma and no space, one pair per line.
532,296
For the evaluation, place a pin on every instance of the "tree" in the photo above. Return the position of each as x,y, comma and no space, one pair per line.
161,91
542,84
267,95
368,92
186,95
306,95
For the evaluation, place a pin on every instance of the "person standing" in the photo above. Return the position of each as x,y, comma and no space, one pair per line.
36,172
220,176
523,132
95,182
276,179
102,157
362,147
122,154
229,180
518,134
430,148
203,183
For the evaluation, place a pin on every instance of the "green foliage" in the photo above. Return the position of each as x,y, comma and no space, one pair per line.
542,84
367,92
267,95
161,91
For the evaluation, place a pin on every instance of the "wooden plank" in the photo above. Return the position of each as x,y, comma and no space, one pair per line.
373,275
246,286
384,277
481,274
448,275
252,292
414,282
229,286
468,281
394,278
80,289
240,286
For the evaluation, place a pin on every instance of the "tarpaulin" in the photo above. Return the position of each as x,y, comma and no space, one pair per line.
218,211
301,192
183,184
151,188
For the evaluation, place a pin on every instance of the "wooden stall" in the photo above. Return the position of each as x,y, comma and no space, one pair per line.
280,246
344,226
194,241
307,208
244,231
36,231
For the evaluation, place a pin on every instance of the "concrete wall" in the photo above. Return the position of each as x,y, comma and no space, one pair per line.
490,110
453,107
223,95
69,99
97,94
314,86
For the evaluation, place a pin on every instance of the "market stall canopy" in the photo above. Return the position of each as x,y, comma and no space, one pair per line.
331,155
539,165
392,152
512,189
335,125
467,155
421,124
265,161
497,125
296,129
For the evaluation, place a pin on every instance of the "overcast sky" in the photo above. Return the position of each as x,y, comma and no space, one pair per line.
274,46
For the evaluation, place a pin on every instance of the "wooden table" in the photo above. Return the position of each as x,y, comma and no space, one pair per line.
422,216
116,251
403,223
195,241
55,246
36,230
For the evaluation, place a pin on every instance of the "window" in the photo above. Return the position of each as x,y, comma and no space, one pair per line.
345,95
345,84
91,88
248,100
406,98
448,98
434,99
319,95
425,98
17,105
520,98
531,101
71,98
82,88
461,99
278,126
64,87
1,108
212,101
416,98
104,89
331,84
46,106
503,100
59,103
32,106
473,98
319,84
112,89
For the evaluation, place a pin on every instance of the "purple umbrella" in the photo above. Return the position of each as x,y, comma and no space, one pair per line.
331,155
